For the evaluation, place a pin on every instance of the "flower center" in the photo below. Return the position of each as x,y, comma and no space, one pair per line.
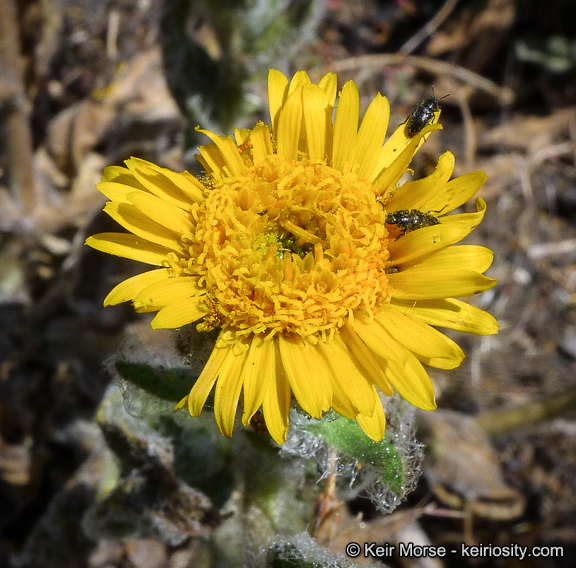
288,247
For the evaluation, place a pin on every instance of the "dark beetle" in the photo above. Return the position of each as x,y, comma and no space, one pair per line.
411,219
422,115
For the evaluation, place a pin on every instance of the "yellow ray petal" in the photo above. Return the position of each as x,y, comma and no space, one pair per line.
371,135
120,175
146,309
129,246
195,182
179,314
289,124
346,127
431,284
346,375
465,257
167,292
329,84
131,218
315,121
422,193
158,184
409,248
261,143
386,179
229,151
129,288
378,341
183,403
112,172
161,212
228,389
418,337
203,386
401,367
241,136
411,382
364,359
117,192
452,229
300,79
276,406
322,374
257,372
451,314
399,141
374,425
212,160
312,391
322,369
183,185
342,405
439,362
277,93
456,192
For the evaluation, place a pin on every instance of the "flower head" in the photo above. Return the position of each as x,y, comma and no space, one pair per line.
293,245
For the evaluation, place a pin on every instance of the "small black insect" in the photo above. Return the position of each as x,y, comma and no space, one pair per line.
422,115
411,219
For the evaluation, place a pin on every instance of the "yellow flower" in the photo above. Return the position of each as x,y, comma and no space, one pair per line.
288,245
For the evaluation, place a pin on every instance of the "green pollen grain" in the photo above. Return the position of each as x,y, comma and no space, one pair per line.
286,242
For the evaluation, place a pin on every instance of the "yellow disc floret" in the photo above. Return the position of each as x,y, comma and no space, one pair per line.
288,247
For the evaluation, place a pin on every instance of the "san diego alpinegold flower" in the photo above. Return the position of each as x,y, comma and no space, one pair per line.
285,247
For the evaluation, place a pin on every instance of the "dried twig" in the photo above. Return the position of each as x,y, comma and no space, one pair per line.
112,35
471,140
496,422
552,151
504,95
557,248
572,127
429,28
22,184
